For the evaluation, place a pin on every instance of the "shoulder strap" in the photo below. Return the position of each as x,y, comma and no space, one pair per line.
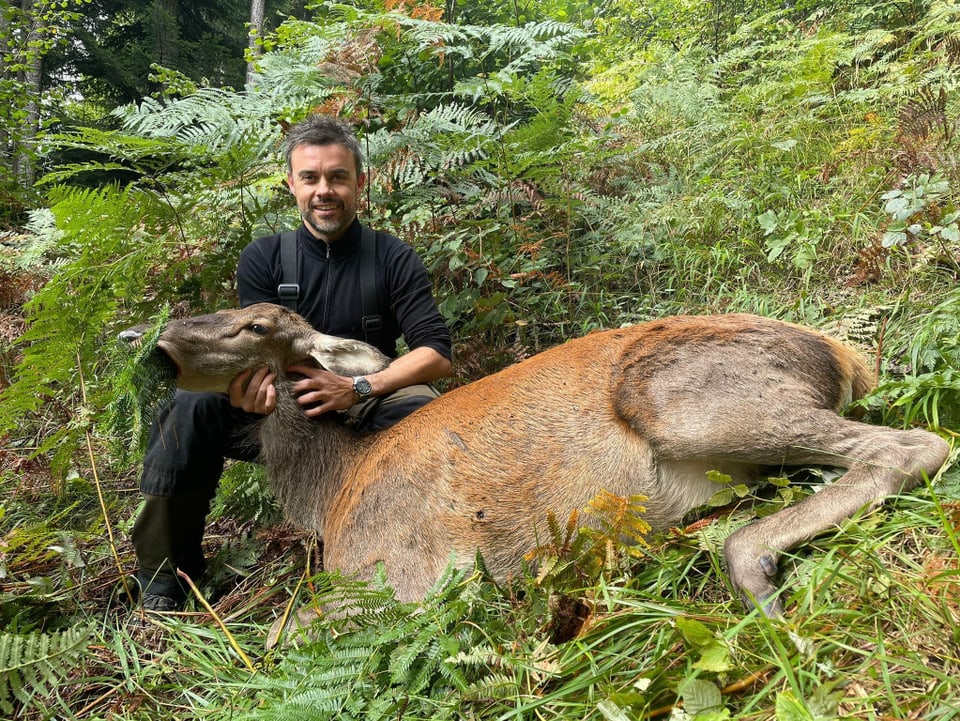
289,289
371,322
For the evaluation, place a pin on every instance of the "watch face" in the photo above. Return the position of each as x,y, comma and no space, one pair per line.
362,386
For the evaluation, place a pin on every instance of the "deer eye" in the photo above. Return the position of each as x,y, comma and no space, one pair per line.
259,329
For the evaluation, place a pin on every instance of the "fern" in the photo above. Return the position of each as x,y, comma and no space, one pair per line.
39,243
574,556
620,520
123,253
930,393
388,658
33,548
32,665
925,113
529,44
63,347
141,389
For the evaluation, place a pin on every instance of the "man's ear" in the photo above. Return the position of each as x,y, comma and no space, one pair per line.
344,356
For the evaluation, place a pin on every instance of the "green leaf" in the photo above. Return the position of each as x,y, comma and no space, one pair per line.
718,477
714,658
768,222
892,238
699,695
694,632
776,246
790,708
714,652
721,498
951,233
610,711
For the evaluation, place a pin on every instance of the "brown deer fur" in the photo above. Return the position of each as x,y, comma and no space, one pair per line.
642,410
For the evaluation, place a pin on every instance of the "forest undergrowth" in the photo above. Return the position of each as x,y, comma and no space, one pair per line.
558,177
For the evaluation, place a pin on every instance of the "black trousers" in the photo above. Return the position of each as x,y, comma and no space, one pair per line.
189,444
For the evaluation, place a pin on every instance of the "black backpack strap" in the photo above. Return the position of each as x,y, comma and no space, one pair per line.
372,321
289,289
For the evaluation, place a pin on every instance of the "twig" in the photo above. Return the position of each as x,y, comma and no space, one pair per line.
304,578
880,339
735,687
233,642
102,697
745,683
99,487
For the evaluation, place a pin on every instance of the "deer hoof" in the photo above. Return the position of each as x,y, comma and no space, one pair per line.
768,564
753,572
770,606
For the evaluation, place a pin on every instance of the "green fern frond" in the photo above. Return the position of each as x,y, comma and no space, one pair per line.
37,251
387,659
210,121
32,665
37,544
492,687
127,152
143,387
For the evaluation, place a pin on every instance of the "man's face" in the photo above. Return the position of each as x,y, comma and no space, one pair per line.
324,180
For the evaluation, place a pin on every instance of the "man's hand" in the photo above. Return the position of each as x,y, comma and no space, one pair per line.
253,391
322,391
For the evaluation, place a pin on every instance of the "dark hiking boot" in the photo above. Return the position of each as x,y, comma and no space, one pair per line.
145,621
161,604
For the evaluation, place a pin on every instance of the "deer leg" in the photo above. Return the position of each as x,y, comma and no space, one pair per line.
880,462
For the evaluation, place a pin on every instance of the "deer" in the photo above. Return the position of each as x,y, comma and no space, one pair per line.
646,410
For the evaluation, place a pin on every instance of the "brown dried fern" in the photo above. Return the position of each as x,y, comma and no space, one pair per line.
925,113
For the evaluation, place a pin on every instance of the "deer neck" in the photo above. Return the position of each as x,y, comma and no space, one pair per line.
306,459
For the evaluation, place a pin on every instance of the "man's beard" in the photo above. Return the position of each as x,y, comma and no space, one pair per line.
332,227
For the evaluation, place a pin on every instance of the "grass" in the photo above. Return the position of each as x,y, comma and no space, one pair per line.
874,608
873,629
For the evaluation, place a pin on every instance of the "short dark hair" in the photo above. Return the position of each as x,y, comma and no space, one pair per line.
324,130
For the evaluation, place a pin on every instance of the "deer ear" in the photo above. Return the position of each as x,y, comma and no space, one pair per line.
344,356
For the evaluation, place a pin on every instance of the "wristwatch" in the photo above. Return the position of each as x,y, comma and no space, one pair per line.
362,387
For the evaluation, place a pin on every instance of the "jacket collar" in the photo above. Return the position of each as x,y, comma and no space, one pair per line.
343,247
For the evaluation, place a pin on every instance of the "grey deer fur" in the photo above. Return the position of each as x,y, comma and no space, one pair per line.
643,410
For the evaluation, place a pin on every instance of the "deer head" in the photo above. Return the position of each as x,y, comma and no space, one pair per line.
210,350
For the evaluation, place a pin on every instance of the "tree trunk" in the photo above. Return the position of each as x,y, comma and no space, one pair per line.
256,32
5,77
166,35
24,165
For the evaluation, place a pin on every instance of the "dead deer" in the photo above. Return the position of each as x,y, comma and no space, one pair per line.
643,410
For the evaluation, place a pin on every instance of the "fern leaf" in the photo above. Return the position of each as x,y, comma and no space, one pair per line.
33,664
144,386
621,518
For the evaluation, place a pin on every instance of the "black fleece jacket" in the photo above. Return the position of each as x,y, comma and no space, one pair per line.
329,280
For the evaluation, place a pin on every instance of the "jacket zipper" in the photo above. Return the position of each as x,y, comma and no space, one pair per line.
326,294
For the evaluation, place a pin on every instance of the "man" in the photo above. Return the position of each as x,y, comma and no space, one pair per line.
194,435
